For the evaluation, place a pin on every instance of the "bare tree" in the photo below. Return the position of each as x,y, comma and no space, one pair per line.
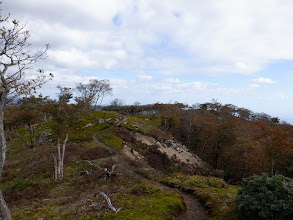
65,94
15,58
59,161
136,103
117,102
64,115
92,93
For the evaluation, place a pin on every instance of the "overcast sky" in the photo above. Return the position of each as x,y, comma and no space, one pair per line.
191,51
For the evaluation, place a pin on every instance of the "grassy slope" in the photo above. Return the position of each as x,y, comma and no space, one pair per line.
37,195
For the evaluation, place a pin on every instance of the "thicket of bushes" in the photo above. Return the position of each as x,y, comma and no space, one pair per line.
264,197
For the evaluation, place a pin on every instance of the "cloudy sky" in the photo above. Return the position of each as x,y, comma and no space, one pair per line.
191,51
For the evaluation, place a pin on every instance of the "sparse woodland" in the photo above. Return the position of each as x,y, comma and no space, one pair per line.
63,157
72,158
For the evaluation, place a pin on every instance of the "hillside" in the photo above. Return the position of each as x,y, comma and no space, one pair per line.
128,159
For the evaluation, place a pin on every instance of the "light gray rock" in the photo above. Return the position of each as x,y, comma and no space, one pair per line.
158,144
101,121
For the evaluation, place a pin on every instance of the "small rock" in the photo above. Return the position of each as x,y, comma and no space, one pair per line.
169,143
158,144
89,125
160,139
101,121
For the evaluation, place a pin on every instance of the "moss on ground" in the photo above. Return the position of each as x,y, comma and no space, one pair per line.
111,140
152,119
159,206
79,133
145,172
138,124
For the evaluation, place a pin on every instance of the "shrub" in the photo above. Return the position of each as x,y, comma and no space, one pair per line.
95,153
145,188
264,197
145,172
194,181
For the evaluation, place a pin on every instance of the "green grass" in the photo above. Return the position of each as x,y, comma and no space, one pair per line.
146,188
23,184
142,201
76,131
138,124
213,192
30,214
152,119
110,139
182,181
103,115
159,206
145,172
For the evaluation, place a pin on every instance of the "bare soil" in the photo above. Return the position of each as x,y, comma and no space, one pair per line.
194,209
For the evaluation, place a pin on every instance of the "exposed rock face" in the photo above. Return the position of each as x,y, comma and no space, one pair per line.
176,150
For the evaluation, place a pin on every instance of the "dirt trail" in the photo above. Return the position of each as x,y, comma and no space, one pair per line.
194,209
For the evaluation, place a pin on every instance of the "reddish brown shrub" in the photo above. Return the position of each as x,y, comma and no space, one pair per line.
94,153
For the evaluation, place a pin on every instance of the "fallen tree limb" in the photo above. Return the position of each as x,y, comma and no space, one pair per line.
110,204
108,174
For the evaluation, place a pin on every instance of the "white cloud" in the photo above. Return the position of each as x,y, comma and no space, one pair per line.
241,66
144,77
170,40
254,85
240,36
264,80
172,80
161,91
284,96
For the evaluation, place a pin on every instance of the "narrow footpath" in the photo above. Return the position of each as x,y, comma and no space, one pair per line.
194,209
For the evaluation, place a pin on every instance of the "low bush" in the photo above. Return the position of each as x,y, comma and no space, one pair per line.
264,197
181,180
95,153
145,172
145,188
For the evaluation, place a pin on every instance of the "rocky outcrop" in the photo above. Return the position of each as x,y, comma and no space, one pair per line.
176,150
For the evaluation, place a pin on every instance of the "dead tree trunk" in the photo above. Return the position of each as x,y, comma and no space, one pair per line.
110,203
108,174
5,213
59,161
32,129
